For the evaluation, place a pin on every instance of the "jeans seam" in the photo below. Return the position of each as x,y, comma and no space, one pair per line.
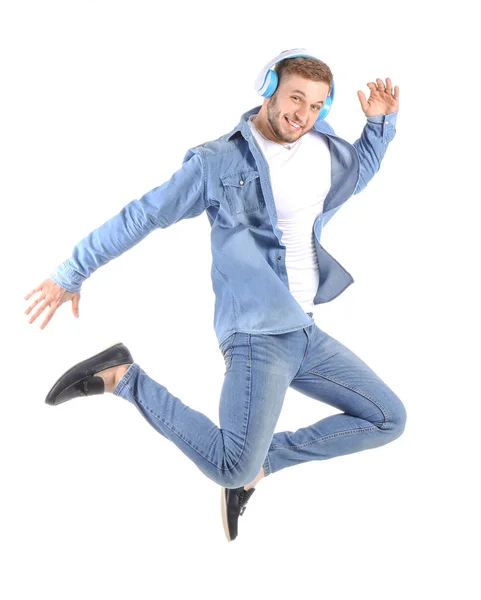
232,349
305,352
249,396
325,437
249,400
360,392
228,352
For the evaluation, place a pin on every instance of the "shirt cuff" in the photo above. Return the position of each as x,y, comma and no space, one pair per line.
388,123
67,278
386,119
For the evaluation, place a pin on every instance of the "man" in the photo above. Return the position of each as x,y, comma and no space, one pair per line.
280,174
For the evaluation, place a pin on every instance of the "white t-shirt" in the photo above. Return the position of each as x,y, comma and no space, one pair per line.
300,178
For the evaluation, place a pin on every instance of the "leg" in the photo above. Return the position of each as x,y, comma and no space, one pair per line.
372,414
258,372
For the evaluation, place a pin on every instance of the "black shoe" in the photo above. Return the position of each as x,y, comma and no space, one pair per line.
80,380
234,503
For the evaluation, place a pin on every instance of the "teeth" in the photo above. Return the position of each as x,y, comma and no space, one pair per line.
293,124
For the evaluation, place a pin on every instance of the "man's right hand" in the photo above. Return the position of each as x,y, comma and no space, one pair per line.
52,295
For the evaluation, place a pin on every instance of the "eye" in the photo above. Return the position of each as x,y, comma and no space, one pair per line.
295,97
316,107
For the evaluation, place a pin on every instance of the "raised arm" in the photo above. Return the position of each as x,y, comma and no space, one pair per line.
381,110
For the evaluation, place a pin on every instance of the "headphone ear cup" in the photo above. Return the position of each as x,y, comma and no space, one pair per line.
271,83
326,107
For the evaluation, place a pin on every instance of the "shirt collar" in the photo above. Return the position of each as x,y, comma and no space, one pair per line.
243,127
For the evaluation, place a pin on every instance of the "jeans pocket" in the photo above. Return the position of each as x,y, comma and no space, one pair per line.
227,349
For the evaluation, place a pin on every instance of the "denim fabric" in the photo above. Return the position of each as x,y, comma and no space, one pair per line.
229,179
258,371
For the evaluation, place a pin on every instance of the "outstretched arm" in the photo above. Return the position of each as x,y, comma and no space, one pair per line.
181,197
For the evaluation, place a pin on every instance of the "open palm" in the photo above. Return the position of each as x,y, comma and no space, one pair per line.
381,99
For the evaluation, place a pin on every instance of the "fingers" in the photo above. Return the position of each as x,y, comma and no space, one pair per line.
34,304
389,89
37,289
40,311
39,299
75,303
48,298
380,87
49,316
362,100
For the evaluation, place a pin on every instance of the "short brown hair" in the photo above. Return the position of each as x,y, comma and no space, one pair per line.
310,68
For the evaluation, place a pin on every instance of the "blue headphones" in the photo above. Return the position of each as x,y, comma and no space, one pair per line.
267,80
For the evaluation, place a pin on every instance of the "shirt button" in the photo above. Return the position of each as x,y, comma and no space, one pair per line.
279,257
241,182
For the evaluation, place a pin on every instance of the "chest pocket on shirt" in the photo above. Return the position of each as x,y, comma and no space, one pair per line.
243,191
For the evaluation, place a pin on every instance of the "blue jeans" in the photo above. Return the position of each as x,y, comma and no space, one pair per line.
259,370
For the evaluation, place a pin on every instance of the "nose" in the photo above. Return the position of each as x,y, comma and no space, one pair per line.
302,114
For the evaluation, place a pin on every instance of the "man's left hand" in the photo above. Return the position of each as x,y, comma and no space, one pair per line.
381,100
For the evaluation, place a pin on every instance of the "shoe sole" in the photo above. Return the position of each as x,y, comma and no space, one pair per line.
223,505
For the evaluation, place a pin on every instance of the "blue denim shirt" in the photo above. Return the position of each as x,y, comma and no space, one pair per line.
229,179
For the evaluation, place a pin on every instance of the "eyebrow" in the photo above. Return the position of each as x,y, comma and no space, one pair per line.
302,94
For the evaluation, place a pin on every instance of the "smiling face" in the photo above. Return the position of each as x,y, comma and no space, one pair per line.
293,109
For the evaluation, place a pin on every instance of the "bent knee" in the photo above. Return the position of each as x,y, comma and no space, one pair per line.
238,477
396,422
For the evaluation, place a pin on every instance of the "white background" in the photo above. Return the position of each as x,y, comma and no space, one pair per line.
99,103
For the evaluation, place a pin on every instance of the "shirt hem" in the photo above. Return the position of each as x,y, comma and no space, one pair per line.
268,331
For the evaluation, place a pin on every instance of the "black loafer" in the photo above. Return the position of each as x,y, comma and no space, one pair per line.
80,380
233,504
